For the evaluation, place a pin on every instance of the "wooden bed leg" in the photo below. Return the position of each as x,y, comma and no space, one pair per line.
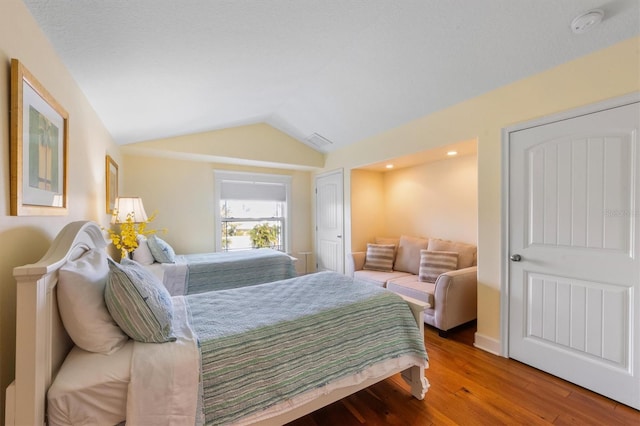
414,376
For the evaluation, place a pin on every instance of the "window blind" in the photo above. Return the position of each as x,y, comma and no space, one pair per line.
257,191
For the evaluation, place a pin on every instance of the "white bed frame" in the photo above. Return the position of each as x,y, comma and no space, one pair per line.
42,343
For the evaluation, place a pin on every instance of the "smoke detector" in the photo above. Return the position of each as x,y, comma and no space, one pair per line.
584,22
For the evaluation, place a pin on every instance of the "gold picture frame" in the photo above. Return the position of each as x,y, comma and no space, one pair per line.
39,148
111,180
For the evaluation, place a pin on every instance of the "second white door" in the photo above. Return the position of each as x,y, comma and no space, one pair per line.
329,222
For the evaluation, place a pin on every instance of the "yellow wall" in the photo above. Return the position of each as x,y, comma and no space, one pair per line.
255,143
182,194
434,200
26,239
367,209
437,199
608,73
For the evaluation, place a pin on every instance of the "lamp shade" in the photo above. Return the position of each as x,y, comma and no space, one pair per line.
128,205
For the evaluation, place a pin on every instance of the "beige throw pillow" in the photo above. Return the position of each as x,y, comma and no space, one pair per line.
434,263
466,252
379,257
388,240
408,255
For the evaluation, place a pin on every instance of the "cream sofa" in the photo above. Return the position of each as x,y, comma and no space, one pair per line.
453,295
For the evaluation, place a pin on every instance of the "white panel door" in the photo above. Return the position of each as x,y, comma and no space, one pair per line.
329,222
574,274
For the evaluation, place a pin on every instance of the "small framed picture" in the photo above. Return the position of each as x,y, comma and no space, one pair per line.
111,179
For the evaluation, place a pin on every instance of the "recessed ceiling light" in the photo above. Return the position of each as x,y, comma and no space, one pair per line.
452,153
389,166
584,22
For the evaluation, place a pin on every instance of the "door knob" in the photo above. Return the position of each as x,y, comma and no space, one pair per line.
339,236
516,257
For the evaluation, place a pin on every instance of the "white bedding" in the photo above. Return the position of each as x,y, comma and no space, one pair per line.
91,388
156,368
172,275
132,383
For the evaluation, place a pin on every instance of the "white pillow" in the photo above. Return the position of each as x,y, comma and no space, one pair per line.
81,304
142,254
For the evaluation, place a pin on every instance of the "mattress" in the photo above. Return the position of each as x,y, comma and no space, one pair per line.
91,388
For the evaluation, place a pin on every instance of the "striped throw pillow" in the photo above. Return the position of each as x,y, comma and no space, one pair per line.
139,303
379,257
434,263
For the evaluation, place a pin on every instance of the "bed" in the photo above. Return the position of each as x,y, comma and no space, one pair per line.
203,361
197,273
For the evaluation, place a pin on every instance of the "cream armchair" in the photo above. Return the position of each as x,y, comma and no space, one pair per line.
453,295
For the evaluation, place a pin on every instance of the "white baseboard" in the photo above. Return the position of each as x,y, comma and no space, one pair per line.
487,343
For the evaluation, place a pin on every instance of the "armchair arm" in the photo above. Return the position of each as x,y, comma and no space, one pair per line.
355,261
456,298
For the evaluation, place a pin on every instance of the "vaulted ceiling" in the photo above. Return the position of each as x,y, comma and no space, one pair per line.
341,69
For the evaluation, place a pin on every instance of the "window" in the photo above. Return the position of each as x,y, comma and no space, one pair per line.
251,211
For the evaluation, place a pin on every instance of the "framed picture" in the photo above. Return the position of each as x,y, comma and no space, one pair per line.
39,148
111,179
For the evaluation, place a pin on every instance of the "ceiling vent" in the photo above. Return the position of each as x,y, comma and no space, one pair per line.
318,140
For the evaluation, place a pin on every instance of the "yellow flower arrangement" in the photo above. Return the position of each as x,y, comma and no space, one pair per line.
127,239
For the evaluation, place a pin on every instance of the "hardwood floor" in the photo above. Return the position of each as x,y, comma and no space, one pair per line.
473,387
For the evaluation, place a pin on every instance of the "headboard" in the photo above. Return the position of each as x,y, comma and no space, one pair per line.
42,343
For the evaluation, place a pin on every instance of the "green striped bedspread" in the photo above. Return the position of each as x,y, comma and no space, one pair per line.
220,271
264,344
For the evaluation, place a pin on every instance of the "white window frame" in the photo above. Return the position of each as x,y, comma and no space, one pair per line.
222,175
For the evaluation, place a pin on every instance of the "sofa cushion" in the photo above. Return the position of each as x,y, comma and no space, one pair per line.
378,278
389,240
410,286
466,252
379,257
434,263
408,255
